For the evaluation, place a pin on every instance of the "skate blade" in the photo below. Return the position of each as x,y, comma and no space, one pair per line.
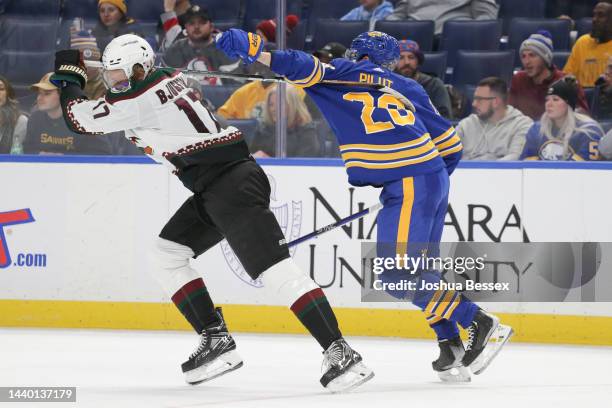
498,340
354,376
225,363
455,375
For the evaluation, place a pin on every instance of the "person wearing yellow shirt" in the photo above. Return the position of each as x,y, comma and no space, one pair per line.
591,52
248,101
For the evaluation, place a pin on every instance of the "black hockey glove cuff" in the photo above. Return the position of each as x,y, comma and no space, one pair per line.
69,67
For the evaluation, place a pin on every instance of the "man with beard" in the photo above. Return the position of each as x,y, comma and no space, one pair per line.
496,130
529,86
591,52
198,50
411,58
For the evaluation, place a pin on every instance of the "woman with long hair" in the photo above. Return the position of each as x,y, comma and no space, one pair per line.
302,140
13,123
562,133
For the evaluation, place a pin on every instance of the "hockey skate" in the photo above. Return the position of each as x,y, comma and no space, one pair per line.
448,365
486,337
216,354
342,368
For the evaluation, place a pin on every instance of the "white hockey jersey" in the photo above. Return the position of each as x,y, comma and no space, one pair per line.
163,116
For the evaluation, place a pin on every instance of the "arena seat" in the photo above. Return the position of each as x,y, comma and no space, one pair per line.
87,9
26,67
33,8
472,66
478,35
28,34
420,31
435,63
328,30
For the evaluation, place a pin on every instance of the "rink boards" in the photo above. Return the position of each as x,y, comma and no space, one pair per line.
76,236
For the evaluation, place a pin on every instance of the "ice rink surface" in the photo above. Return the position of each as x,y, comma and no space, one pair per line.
142,369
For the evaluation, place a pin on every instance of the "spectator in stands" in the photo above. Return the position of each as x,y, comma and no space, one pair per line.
198,51
411,58
605,146
13,123
47,132
441,11
267,28
86,43
370,10
562,133
113,22
302,138
602,108
172,22
590,53
330,51
496,130
529,86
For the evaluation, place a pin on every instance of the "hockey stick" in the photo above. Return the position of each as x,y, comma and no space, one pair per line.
335,225
254,77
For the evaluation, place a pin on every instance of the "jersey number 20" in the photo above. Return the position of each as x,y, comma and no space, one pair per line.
399,115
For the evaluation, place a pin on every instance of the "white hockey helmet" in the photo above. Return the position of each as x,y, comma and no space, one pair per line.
123,53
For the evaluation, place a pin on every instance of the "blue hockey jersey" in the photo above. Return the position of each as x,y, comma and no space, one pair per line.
380,140
581,146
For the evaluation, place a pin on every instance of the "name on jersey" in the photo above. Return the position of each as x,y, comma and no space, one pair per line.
173,88
371,79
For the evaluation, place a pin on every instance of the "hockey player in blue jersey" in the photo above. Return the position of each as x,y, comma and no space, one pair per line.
406,148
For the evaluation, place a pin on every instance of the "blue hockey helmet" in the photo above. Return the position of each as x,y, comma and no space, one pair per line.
381,48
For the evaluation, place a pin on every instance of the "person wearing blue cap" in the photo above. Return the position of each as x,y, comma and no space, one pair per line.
411,58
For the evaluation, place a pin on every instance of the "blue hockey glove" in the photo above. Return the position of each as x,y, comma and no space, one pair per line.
240,44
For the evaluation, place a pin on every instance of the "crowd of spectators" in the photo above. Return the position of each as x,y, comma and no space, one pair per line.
546,111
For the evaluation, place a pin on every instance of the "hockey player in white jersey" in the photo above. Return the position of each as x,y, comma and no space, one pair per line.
231,196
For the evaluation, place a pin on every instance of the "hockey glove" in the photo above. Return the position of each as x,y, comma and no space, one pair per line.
69,67
240,44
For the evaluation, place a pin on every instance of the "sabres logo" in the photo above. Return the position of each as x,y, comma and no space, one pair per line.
289,217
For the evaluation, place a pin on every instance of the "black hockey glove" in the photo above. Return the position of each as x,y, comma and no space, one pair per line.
69,67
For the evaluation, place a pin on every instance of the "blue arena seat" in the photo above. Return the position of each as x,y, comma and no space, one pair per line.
320,9
584,25
145,11
220,10
521,28
509,9
248,127
217,95
33,8
420,31
468,91
560,58
26,67
28,34
87,9
328,30
266,9
479,35
472,66
435,64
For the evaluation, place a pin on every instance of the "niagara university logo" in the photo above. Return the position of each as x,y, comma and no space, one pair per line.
289,218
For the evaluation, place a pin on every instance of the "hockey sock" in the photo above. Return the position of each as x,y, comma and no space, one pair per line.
315,313
445,329
286,282
195,304
451,305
